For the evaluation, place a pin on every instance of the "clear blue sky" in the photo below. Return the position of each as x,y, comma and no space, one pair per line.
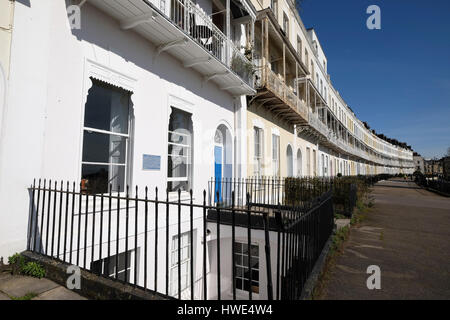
397,78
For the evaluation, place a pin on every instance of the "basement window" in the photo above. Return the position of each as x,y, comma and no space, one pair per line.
115,264
184,264
242,279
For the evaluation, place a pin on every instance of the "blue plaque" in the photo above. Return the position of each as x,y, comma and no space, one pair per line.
151,162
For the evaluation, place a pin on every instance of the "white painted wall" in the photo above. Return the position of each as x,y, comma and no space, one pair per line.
48,89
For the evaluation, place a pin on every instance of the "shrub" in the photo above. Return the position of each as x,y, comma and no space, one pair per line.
33,269
17,262
19,266
299,191
16,259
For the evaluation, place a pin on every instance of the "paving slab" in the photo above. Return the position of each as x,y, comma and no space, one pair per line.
406,234
5,276
18,286
59,293
4,297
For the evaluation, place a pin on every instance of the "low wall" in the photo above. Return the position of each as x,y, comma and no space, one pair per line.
93,286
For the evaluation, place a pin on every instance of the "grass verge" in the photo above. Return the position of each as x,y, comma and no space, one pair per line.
28,296
363,207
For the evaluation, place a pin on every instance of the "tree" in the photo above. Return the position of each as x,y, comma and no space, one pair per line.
448,152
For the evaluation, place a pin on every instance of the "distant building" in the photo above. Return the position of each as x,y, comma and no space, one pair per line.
433,166
419,163
446,167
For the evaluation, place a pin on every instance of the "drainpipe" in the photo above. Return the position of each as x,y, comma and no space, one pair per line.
295,152
228,32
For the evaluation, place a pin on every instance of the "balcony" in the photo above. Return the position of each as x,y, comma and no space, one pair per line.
318,125
279,97
187,32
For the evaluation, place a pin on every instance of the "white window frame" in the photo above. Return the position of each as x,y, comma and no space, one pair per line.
314,163
258,167
299,47
189,156
242,292
286,24
117,78
127,137
276,158
130,268
174,265
274,7
322,159
308,161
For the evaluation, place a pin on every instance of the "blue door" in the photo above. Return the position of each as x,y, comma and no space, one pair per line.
218,172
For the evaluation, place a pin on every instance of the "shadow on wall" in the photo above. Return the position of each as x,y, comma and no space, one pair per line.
34,238
95,25
25,2
2,90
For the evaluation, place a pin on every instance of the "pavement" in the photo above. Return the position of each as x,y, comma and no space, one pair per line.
406,234
14,287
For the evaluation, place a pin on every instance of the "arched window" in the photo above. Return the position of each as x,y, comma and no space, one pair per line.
289,159
223,161
180,151
299,163
106,136
322,162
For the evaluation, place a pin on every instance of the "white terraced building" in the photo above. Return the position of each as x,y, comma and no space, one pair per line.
134,96
302,126
164,94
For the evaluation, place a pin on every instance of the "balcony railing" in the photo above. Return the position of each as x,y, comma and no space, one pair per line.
317,124
271,81
194,21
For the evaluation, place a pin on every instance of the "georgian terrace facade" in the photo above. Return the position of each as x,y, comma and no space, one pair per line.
160,94
140,94
301,125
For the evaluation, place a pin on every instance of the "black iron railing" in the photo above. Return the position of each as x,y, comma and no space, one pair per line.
434,183
303,238
178,248
267,191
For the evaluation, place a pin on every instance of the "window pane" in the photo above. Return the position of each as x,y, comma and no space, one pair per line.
99,147
179,157
177,167
254,251
244,248
239,284
178,150
96,178
255,287
178,185
181,136
180,120
238,260
245,261
255,275
246,285
107,108
96,266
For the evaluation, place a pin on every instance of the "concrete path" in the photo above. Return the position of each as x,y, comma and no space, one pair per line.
406,234
15,287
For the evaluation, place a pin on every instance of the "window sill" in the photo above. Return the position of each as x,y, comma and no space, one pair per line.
243,295
184,196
